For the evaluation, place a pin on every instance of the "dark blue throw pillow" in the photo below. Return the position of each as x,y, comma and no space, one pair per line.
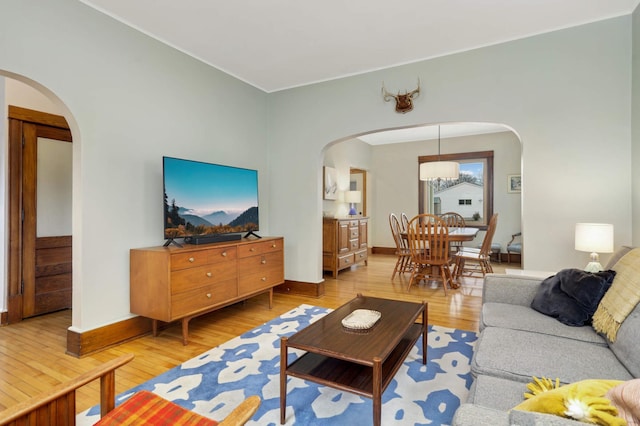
572,295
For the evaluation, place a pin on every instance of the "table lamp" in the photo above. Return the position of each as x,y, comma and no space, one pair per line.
594,238
353,197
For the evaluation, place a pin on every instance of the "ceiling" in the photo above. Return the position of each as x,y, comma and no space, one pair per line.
279,44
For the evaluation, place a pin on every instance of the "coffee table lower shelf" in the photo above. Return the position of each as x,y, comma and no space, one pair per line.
350,376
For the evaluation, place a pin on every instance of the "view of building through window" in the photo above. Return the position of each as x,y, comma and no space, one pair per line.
471,195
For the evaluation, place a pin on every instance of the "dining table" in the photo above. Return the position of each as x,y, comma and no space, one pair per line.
463,234
456,234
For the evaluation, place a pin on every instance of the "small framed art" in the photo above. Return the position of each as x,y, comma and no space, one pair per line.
330,184
514,183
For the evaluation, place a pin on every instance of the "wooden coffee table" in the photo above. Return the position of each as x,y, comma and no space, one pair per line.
361,362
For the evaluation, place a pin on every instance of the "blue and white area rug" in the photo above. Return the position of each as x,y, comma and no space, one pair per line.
215,382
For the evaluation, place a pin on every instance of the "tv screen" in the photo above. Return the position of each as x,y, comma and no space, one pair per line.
208,199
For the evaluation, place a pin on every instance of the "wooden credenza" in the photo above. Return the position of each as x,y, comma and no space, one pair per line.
344,243
180,283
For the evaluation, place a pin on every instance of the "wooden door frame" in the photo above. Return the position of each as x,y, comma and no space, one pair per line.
44,125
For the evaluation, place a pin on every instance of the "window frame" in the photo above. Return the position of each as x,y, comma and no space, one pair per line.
484,156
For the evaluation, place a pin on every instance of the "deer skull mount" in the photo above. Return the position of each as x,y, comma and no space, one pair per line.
404,101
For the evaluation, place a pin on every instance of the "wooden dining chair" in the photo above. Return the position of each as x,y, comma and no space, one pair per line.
428,237
405,221
403,264
472,261
454,221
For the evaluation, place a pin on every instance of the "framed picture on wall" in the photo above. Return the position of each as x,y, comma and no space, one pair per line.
514,183
330,184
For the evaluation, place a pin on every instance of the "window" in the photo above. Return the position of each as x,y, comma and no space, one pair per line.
471,194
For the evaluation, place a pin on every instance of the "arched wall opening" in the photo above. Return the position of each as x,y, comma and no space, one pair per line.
390,158
23,92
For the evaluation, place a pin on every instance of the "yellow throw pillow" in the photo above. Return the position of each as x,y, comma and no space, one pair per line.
583,401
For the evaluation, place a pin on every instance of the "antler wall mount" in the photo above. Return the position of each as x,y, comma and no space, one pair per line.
404,101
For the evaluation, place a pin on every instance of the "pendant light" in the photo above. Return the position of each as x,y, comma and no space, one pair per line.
439,170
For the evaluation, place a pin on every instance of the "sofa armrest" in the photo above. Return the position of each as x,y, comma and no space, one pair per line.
511,289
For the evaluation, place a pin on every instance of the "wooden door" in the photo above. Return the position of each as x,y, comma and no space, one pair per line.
39,267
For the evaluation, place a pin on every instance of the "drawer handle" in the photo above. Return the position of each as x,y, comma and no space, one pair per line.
346,261
263,261
209,295
192,259
273,245
264,278
252,249
209,274
224,254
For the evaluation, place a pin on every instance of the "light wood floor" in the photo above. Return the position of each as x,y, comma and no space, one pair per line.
33,359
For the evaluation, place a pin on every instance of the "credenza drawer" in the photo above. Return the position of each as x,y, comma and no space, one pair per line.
346,260
254,263
266,278
196,277
189,260
362,255
196,299
254,249
202,257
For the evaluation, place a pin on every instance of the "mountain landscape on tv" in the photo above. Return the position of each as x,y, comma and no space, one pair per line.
182,222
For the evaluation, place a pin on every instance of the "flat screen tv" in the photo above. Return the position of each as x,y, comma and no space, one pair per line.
205,202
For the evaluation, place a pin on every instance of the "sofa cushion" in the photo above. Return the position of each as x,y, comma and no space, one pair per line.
620,252
519,317
622,298
572,295
519,355
495,392
476,415
627,342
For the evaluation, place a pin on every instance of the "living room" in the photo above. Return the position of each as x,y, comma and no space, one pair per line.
569,95
555,90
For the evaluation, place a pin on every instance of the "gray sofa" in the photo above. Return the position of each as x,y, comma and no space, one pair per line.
517,342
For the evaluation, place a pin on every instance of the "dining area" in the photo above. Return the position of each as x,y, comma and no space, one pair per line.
431,248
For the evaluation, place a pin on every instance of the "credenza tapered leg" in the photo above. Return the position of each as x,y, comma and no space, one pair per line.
185,331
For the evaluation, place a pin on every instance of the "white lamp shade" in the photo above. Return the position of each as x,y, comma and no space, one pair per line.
352,196
439,170
594,237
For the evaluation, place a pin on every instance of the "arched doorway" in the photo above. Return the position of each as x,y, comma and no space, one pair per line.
391,159
39,176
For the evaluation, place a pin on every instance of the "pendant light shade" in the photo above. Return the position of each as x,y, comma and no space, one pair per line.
439,170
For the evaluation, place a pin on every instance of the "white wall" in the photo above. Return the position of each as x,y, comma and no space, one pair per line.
566,94
129,101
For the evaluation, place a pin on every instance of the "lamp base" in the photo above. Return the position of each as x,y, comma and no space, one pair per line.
353,211
593,267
